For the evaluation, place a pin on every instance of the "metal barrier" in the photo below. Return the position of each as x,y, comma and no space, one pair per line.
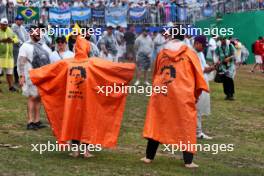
161,15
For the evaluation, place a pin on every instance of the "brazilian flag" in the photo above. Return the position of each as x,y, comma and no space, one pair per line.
29,13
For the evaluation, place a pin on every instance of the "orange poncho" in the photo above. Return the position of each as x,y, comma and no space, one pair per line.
171,117
69,93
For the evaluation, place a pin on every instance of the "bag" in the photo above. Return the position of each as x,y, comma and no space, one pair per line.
219,77
40,56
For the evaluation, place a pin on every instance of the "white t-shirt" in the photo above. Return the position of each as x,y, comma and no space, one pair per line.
26,50
203,64
55,56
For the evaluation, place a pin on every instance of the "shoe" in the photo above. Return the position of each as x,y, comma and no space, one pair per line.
204,136
145,160
137,83
12,89
40,125
31,126
192,165
231,98
147,83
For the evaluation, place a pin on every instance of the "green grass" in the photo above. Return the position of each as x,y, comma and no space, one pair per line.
240,122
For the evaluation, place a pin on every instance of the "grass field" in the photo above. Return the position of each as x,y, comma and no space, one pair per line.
240,122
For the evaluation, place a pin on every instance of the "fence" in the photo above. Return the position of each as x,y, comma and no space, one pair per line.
158,16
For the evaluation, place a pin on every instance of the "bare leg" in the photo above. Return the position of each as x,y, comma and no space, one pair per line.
37,104
138,74
9,79
30,109
146,76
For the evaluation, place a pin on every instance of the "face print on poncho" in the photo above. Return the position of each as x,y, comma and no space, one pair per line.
168,73
77,76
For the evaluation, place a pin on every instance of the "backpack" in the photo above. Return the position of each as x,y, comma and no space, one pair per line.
40,56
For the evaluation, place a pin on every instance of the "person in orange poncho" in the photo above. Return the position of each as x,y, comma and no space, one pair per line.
76,109
172,118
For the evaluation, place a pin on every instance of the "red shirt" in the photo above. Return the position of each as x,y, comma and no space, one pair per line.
258,48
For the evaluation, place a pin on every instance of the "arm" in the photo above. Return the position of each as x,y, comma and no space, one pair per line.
21,62
136,45
209,69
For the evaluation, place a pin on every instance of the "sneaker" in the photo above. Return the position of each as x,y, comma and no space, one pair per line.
137,83
12,89
40,125
231,98
31,126
204,136
147,83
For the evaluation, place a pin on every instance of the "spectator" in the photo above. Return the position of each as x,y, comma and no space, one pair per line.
61,51
23,36
130,38
2,10
29,53
226,54
119,34
108,45
211,55
258,51
7,39
203,105
144,48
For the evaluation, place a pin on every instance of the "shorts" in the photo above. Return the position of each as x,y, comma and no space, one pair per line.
8,71
143,61
130,51
258,59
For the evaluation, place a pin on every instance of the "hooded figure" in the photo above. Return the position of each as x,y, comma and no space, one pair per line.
72,92
172,118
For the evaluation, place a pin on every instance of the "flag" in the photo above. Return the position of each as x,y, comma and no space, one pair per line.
29,13
98,13
171,116
137,13
69,91
80,14
76,28
59,17
116,16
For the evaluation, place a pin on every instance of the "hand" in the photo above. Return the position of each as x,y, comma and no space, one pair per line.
106,53
9,40
22,81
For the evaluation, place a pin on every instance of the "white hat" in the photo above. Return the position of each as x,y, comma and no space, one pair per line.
4,21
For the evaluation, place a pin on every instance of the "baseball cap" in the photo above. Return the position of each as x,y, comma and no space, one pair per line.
19,17
4,21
